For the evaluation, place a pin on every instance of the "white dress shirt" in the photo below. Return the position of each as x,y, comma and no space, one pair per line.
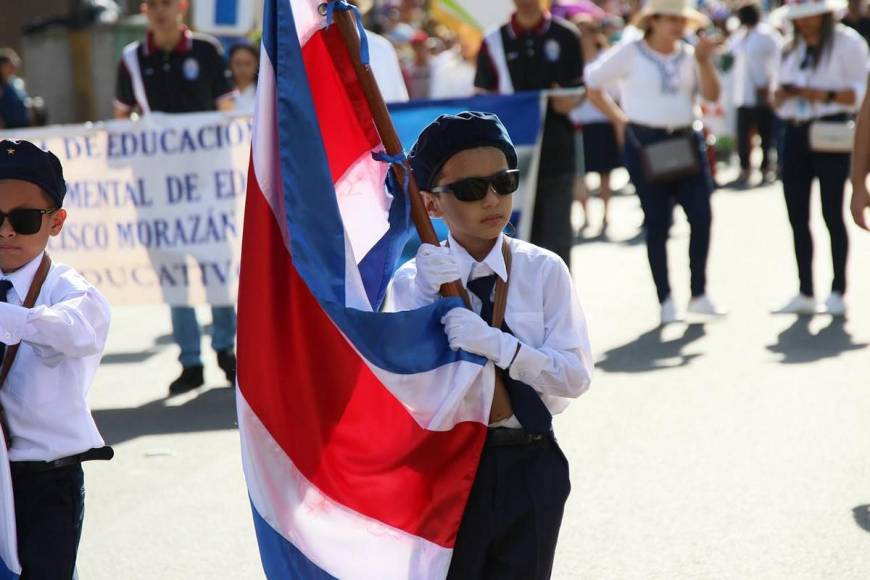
756,58
385,66
62,339
644,99
543,311
588,113
843,66
247,98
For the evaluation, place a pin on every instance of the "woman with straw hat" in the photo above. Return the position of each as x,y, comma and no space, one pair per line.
821,82
661,77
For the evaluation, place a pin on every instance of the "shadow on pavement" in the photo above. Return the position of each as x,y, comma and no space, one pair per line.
139,356
798,345
212,410
650,352
121,358
862,517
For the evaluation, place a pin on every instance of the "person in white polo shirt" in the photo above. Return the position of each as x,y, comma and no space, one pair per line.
662,76
821,83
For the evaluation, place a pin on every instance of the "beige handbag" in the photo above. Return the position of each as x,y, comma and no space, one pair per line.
832,136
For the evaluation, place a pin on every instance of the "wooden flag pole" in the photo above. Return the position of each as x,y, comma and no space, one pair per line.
346,23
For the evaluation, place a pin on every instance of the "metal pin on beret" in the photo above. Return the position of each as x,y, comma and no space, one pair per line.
25,161
448,135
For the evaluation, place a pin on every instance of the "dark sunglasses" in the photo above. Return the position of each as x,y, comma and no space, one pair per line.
475,188
25,221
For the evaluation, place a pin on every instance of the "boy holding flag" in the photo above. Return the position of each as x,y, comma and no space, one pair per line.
526,319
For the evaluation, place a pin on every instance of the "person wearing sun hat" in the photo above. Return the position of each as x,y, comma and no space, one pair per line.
821,78
662,76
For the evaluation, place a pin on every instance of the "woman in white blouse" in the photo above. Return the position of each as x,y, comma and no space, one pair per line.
245,65
821,82
661,77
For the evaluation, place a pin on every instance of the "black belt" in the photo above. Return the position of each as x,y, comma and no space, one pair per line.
504,437
834,117
98,454
662,130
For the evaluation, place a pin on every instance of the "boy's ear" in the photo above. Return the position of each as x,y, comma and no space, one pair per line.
432,204
55,221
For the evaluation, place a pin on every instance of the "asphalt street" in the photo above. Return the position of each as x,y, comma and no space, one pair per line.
731,449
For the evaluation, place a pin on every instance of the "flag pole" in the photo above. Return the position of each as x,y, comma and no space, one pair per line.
384,123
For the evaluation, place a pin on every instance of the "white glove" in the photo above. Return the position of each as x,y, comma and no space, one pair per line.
469,332
435,266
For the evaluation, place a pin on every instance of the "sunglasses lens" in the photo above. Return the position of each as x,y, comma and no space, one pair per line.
505,183
471,189
25,221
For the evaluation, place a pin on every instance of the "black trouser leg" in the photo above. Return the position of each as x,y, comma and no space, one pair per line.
49,510
797,180
512,520
764,122
694,197
745,122
833,170
551,221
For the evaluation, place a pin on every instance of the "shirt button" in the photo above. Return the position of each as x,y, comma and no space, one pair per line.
7,335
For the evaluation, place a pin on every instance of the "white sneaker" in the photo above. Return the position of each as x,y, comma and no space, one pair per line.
669,312
702,305
800,304
835,305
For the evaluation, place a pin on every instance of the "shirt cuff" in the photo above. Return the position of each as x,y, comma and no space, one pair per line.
13,322
528,365
506,350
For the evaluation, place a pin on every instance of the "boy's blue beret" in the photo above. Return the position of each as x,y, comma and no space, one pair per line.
448,135
25,161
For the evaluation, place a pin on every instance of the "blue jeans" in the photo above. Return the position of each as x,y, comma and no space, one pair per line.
657,201
185,330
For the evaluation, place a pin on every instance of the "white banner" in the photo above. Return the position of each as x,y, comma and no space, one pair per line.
155,205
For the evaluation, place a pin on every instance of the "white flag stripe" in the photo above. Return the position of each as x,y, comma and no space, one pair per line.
326,532
8,540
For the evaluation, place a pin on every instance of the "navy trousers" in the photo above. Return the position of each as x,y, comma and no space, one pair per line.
551,220
800,166
657,201
761,119
49,510
511,523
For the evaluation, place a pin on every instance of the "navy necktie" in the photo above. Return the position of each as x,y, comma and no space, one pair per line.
530,410
5,286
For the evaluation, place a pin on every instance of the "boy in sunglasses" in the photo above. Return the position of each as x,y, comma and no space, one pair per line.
59,340
466,168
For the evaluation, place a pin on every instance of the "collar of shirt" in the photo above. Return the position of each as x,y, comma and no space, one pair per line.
471,268
516,29
185,43
22,278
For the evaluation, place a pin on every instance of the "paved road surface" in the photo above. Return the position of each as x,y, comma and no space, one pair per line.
735,449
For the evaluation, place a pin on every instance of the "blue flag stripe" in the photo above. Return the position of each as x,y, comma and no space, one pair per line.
280,558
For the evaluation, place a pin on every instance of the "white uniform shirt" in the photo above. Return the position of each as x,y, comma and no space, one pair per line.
543,311
62,339
756,59
644,99
843,66
385,66
588,113
247,98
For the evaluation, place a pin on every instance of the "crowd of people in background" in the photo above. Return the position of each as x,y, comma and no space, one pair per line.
730,76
